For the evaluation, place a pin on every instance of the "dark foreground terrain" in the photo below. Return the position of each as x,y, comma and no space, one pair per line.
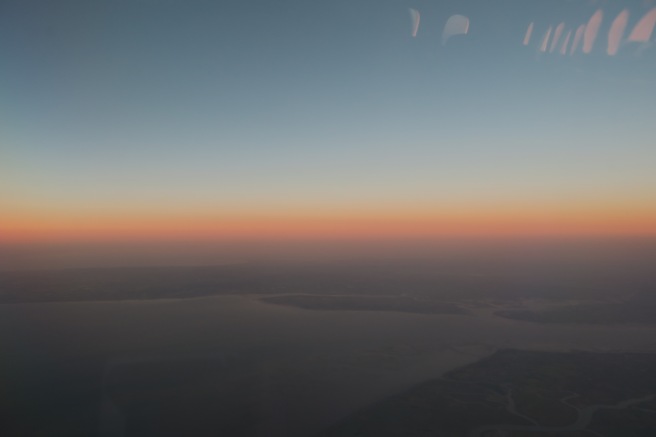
334,349
522,393
511,393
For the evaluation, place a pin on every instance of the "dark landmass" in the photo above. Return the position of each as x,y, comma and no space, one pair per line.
522,393
403,304
438,280
601,314
640,309
622,295
380,279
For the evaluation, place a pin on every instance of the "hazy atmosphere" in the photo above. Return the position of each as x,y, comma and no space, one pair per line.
328,218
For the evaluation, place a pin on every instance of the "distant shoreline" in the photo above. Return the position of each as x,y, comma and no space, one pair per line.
402,304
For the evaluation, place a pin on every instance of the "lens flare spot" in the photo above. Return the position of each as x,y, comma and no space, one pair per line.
591,31
414,21
616,32
455,25
563,47
557,33
644,28
577,39
529,32
545,39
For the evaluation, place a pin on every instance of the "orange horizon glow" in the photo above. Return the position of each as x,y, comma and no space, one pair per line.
378,225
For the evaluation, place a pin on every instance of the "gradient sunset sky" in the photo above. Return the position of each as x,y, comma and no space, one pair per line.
195,120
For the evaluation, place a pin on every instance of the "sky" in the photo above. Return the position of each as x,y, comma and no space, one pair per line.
171,120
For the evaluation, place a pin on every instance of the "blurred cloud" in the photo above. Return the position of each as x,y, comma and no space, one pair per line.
455,25
591,31
616,32
644,28
414,17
